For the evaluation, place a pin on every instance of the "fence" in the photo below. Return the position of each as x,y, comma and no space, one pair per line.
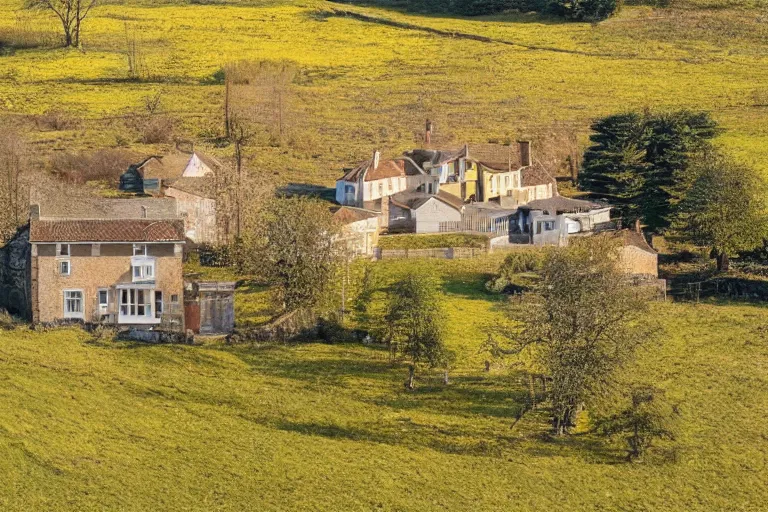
477,223
446,253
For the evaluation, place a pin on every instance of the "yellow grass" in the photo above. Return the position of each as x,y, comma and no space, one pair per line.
367,85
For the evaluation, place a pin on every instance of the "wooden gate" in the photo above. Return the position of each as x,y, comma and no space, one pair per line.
217,307
192,316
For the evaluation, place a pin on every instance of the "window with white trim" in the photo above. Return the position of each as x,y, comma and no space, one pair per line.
103,296
139,249
158,304
135,302
65,267
73,304
63,250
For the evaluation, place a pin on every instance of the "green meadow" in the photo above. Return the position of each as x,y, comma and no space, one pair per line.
95,424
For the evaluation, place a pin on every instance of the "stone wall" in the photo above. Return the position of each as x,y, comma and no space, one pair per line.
636,261
90,273
15,291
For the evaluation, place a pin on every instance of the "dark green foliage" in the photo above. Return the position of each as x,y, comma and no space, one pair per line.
725,208
647,418
585,10
414,323
641,162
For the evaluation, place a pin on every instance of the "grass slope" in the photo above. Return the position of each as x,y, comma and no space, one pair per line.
368,85
90,425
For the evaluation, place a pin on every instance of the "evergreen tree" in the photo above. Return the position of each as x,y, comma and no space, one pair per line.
640,163
614,167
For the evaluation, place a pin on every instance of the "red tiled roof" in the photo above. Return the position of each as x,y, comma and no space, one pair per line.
396,167
133,230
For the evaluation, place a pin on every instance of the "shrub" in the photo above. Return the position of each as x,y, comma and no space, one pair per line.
585,10
512,276
104,164
157,130
412,241
56,120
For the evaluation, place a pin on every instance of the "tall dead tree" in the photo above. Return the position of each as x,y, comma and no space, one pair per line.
13,190
70,13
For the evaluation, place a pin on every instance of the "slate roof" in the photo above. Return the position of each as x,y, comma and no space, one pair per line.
172,165
536,175
348,215
560,204
201,187
130,230
392,168
99,208
414,200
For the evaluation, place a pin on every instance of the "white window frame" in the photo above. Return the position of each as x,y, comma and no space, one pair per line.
139,249
73,314
68,263
103,306
136,306
61,252
158,304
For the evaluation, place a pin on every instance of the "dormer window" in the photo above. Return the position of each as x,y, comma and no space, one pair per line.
139,249
63,250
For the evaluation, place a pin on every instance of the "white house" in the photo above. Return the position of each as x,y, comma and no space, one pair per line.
360,228
421,212
366,185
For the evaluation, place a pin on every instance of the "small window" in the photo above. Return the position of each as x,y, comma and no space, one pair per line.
62,250
137,272
139,249
73,304
103,301
64,268
149,271
140,305
175,299
158,304
549,225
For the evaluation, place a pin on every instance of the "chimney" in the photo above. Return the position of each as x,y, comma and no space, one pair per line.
376,158
34,212
637,226
428,133
525,152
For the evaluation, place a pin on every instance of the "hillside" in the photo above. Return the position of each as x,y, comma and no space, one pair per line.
364,84
93,424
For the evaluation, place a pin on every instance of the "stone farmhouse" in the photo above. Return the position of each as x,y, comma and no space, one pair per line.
112,261
190,178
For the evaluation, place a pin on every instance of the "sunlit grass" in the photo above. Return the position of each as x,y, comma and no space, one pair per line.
93,425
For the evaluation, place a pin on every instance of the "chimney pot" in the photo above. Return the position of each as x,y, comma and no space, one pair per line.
637,226
525,152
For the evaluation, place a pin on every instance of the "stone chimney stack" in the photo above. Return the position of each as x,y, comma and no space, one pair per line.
525,152
637,227
375,161
428,133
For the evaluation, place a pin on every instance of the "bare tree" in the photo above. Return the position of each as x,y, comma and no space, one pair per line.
13,189
259,91
70,13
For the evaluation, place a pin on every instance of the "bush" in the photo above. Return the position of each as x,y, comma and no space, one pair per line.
412,241
56,120
157,130
514,273
7,322
215,256
104,164
585,10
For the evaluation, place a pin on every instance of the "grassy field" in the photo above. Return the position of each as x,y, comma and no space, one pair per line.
93,425
366,85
